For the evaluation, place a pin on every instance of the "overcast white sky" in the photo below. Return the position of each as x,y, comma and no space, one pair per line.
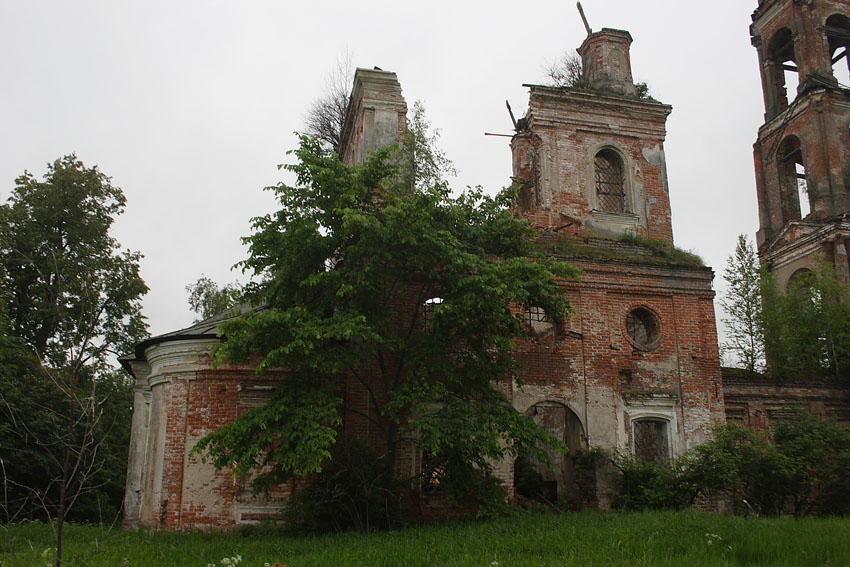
189,105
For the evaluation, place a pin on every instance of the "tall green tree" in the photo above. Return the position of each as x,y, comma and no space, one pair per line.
807,327
207,298
73,298
742,303
413,294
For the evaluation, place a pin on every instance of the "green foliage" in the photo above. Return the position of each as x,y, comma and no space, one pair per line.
356,489
290,436
665,250
819,452
742,303
642,90
568,72
744,466
70,299
803,332
804,469
646,485
807,328
75,297
207,298
345,268
475,490
657,539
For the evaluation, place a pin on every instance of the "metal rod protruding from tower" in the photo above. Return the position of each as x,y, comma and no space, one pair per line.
583,18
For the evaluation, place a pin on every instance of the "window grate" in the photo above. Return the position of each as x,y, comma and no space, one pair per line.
535,314
650,440
610,186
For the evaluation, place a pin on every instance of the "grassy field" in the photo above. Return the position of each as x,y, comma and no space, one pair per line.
580,539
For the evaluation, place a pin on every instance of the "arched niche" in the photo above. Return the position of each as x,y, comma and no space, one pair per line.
535,480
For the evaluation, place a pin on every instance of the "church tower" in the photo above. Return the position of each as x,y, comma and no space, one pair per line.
591,158
802,154
635,366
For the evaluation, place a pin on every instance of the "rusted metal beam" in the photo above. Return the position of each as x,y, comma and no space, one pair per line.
583,18
511,112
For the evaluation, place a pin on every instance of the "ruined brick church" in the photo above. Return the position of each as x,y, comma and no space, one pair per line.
636,367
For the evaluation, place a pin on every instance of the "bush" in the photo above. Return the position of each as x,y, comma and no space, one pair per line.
743,466
819,452
804,469
646,485
452,478
356,490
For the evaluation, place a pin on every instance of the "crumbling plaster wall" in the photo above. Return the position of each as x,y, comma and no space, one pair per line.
179,399
591,366
555,159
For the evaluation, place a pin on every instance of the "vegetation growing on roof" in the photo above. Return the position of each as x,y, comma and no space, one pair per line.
637,249
567,73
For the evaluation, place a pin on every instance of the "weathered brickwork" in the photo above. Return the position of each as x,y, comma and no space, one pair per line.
802,164
802,154
759,404
639,346
635,366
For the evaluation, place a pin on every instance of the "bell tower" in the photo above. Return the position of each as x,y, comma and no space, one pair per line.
589,158
802,154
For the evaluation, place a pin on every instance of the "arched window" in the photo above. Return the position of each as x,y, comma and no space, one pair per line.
610,182
650,440
794,191
801,284
838,34
784,61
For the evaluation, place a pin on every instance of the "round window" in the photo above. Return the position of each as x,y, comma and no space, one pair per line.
643,329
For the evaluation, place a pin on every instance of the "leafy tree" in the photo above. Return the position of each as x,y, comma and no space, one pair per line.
207,298
742,303
819,451
807,328
412,294
73,298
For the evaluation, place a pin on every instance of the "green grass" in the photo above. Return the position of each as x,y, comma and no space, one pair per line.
580,539
646,250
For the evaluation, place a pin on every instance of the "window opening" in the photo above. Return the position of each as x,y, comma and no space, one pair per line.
610,182
535,314
432,473
642,328
786,74
650,440
794,191
429,307
802,190
838,35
